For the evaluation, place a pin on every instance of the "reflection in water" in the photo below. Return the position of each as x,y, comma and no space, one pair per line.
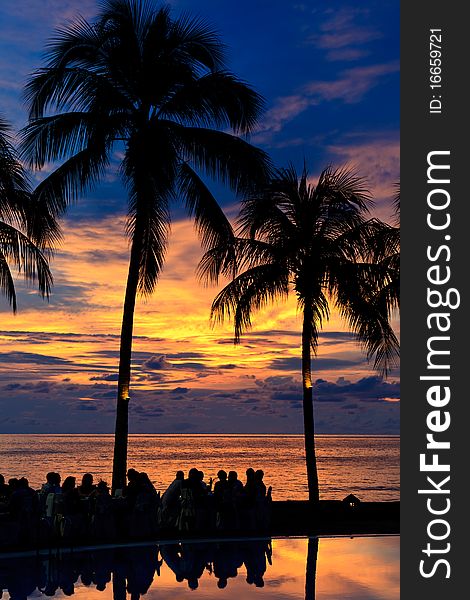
347,568
311,570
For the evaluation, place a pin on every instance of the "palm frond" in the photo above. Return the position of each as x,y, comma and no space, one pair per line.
212,225
216,99
50,139
224,157
18,250
365,298
249,292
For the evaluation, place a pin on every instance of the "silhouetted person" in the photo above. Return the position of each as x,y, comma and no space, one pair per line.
103,518
143,519
52,485
4,489
249,488
132,489
12,484
171,494
263,503
248,516
4,495
222,500
192,500
87,488
235,484
233,501
193,482
171,501
23,506
260,487
71,497
23,501
144,484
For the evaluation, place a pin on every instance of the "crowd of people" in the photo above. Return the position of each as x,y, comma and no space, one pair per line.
189,504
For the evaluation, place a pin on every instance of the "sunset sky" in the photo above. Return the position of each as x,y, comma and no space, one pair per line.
330,74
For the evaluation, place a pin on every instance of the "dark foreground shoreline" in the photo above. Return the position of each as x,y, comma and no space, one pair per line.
288,518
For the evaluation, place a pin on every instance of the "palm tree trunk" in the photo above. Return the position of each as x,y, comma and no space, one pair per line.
125,352
309,425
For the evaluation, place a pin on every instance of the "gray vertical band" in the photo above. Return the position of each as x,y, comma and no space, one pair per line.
426,244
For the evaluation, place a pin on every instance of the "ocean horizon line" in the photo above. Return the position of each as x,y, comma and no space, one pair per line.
173,434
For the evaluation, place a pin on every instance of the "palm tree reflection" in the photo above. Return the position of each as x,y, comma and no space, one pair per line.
311,569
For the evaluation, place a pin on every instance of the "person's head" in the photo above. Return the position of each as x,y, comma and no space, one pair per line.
250,474
23,483
179,475
232,476
200,475
193,473
13,483
69,484
222,475
57,478
102,487
259,475
2,479
87,480
222,583
193,583
132,474
68,588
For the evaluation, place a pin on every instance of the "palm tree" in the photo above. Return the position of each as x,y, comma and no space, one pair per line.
157,89
24,235
315,241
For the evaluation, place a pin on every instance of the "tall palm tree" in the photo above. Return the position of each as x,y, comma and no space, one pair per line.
317,242
158,89
23,239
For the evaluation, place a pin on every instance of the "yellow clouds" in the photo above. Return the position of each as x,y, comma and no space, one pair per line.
174,340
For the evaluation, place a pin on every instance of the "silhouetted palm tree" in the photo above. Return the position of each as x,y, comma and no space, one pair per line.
22,239
159,88
315,241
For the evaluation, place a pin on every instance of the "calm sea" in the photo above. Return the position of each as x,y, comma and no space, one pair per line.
367,466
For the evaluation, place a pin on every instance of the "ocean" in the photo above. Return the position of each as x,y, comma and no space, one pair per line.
367,466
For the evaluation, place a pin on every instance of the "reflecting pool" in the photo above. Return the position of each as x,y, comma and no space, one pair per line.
360,568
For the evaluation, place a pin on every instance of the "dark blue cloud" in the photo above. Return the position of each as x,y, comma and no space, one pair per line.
111,377
31,358
322,364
